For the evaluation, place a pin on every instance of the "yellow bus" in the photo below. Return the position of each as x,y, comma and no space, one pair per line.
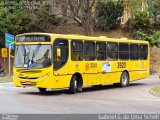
57,61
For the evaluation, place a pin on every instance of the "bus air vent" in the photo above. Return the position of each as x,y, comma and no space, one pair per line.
33,78
29,71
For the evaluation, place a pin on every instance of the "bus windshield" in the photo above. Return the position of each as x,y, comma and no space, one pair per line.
33,56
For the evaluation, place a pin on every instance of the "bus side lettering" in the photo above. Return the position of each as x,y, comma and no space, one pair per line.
121,65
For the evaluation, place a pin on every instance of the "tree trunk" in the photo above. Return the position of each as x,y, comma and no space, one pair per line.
88,24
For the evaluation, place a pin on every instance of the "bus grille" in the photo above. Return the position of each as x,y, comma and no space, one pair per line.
29,71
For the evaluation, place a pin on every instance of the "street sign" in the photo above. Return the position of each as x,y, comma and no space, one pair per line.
8,40
4,52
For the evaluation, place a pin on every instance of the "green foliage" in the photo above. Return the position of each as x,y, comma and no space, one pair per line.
154,10
108,14
140,22
134,6
154,39
156,89
12,19
141,26
15,18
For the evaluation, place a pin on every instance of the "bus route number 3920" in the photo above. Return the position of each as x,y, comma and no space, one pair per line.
121,65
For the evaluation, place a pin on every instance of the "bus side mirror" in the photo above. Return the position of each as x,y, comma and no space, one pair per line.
12,56
58,53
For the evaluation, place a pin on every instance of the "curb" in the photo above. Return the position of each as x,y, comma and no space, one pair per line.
154,93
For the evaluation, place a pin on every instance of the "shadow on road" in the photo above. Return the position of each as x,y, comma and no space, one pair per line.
85,90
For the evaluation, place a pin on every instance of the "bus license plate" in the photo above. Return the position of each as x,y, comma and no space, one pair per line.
28,83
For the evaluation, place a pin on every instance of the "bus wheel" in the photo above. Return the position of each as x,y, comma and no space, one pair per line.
124,80
42,90
73,85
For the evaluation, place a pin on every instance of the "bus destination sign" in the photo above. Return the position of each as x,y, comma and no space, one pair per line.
33,38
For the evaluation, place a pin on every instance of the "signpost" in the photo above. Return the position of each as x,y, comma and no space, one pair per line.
4,52
9,40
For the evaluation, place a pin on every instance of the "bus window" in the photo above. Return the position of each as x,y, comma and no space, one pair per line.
101,50
60,53
143,52
112,51
77,50
33,56
89,50
123,51
134,51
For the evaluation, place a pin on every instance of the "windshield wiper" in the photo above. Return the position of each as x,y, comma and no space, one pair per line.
35,52
24,52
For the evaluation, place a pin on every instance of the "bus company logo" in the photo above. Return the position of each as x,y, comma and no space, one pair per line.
87,67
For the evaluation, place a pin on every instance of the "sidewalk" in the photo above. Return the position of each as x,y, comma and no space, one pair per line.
5,79
154,93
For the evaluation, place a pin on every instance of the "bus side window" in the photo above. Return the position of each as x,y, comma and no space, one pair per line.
112,51
143,52
101,50
77,50
123,51
60,53
89,50
134,51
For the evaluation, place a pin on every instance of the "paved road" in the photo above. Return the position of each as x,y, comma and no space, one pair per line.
106,99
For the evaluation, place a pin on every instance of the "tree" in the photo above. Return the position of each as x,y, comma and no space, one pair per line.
140,22
41,19
134,6
12,18
108,14
82,11
16,17
154,10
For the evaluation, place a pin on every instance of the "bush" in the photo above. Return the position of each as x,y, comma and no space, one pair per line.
108,15
140,22
153,39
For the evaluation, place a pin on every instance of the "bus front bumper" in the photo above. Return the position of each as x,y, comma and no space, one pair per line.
40,82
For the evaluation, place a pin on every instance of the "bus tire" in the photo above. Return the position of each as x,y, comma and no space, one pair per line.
73,85
124,81
42,90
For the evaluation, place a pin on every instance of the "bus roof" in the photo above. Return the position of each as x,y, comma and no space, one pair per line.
82,37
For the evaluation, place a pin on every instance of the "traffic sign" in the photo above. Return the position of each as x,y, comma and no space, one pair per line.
8,40
4,52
